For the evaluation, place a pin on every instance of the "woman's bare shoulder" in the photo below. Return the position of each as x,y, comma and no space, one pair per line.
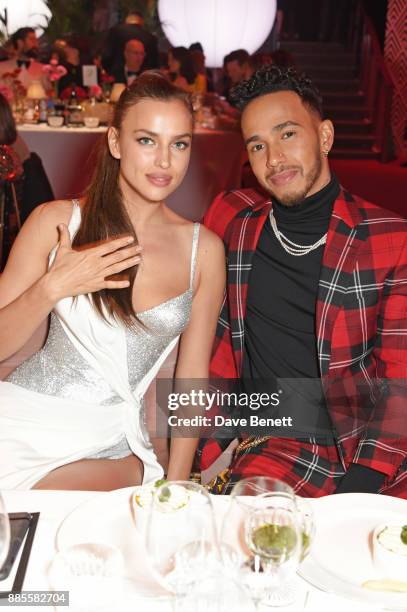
60,210
209,241
49,215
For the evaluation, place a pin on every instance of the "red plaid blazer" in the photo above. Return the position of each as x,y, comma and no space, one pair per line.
361,319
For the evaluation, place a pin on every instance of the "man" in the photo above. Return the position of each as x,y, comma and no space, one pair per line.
25,44
133,61
237,66
120,34
317,291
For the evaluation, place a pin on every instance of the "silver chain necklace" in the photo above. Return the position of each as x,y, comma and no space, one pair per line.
291,247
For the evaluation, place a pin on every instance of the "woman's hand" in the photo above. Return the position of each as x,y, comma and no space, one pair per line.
77,272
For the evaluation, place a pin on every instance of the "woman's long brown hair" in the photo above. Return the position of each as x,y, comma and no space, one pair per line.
104,215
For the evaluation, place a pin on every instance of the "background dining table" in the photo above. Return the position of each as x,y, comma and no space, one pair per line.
68,155
54,506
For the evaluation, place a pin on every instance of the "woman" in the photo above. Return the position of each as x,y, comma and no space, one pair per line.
203,82
123,276
181,68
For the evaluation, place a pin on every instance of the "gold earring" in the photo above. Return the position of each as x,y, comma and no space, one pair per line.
326,152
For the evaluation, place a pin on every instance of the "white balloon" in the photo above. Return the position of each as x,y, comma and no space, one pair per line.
25,13
221,26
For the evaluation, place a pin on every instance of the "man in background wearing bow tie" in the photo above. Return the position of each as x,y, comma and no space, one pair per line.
26,47
134,55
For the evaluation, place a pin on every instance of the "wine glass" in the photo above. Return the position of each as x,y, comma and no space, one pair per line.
181,539
262,485
273,534
4,532
251,495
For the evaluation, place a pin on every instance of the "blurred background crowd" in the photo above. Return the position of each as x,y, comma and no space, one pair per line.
72,70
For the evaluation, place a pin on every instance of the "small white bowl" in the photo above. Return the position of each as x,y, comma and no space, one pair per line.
55,121
389,564
91,122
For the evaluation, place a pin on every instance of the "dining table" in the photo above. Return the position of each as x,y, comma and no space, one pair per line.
69,153
70,516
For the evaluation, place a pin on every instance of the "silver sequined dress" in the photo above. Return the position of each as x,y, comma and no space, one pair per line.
82,394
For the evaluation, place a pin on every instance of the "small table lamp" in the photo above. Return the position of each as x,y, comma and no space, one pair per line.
36,91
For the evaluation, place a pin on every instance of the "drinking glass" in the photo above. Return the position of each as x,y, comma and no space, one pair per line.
181,539
4,532
265,499
274,536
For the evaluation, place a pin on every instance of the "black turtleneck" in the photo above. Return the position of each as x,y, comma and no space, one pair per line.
280,339
280,330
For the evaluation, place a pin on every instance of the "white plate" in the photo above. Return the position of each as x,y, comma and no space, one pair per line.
341,556
111,519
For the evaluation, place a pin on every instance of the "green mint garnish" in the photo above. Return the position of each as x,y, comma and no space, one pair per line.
403,534
165,495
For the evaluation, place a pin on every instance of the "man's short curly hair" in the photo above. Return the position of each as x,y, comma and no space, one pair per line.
270,79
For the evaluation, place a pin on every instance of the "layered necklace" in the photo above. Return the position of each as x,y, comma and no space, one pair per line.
292,247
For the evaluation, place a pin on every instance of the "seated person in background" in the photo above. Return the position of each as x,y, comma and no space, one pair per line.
182,72
30,187
120,34
70,58
26,47
237,67
203,81
72,416
133,58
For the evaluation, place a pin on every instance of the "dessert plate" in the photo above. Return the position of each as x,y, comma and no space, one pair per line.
341,557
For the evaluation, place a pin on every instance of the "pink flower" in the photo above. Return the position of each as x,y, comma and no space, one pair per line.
106,78
95,90
54,72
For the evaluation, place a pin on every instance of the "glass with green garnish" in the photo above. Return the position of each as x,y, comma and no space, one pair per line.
180,537
275,535
263,555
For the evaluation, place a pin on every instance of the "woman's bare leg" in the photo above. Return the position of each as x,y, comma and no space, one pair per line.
95,475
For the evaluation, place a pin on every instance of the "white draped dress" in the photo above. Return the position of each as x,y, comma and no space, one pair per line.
81,396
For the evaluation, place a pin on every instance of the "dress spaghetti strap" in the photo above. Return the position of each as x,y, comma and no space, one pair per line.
195,238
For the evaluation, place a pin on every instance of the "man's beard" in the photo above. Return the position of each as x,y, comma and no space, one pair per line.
295,198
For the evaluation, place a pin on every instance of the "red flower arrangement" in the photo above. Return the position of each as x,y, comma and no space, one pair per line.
11,87
95,91
106,78
79,92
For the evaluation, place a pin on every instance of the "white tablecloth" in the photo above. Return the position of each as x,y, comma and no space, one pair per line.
66,153
55,505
